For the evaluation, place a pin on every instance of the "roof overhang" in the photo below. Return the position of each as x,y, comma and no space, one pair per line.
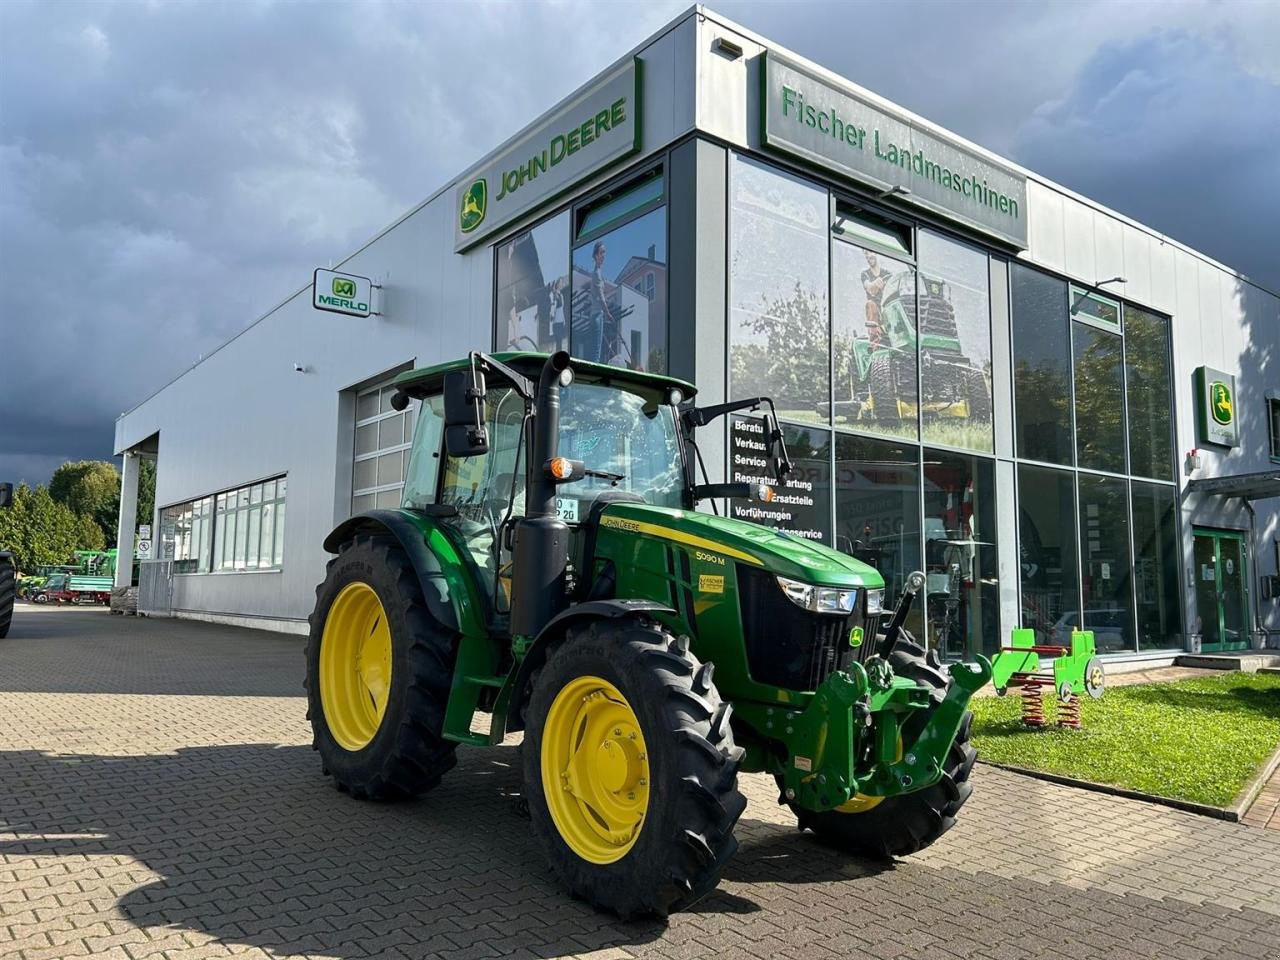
1249,486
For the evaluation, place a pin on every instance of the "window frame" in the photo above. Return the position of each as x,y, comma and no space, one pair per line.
233,505
1272,399
374,456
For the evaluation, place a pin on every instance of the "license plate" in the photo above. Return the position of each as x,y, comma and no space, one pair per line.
567,508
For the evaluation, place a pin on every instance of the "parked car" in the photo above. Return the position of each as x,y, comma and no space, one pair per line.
1110,628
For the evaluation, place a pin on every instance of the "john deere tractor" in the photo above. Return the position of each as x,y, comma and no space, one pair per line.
549,573
8,582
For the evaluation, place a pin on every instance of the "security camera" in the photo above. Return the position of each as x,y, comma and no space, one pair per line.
299,368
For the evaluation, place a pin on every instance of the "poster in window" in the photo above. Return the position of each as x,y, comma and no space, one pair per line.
802,502
874,342
779,330
532,288
955,344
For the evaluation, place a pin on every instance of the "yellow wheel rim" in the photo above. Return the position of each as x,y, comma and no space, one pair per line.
355,666
595,770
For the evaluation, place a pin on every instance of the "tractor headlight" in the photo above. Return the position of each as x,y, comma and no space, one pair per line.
819,599
875,602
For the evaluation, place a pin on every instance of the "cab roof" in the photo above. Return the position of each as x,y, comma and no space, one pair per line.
429,379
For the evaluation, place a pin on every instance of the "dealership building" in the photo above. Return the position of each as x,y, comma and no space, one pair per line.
1059,415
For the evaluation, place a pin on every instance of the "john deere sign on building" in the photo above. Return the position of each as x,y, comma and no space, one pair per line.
594,130
836,128
1216,407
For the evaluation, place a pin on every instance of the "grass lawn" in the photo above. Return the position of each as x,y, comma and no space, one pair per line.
1197,740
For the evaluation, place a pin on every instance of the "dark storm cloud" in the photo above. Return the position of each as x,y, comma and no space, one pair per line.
168,172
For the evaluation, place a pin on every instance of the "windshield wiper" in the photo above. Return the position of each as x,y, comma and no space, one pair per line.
613,478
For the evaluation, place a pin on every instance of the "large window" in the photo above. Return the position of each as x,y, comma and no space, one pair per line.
1273,425
1099,380
961,570
241,529
1105,563
779,328
1149,389
803,502
955,343
186,534
878,510
1041,366
533,288
1155,565
1047,552
383,436
619,278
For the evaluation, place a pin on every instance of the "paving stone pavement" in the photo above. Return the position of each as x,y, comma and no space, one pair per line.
159,798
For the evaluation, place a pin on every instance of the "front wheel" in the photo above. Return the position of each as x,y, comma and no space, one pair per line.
8,593
630,769
907,823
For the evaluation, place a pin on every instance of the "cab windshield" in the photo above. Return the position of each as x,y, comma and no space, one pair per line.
625,442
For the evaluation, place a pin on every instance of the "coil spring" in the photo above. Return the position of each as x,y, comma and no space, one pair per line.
1032,705
1069,713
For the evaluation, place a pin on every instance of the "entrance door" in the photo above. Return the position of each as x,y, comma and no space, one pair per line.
1222,593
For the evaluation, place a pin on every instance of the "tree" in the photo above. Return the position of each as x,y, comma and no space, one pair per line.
39,530
89,534
90,488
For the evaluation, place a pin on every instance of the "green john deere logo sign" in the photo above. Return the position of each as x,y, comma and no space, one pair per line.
1220,403
474,203
344,288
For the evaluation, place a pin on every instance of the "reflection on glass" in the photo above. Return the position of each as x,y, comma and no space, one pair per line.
874,342
1041,366
1047,552
1099,399
619,305
955,344
803,501
1106,569
779,327
424,460
1155,566
961,571
878,511
1150,396
532,286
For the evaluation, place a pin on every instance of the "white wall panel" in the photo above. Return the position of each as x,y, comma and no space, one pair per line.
1077,221
1044,227
1108,256
1137,265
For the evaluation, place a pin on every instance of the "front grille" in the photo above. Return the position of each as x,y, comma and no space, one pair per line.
789,647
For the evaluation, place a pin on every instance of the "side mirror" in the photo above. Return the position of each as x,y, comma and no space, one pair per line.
6,495
464,431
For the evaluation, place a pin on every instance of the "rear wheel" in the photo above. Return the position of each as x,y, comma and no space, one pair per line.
378,675
630,769
8,593
905,824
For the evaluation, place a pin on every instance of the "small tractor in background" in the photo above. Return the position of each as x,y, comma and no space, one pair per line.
1076,670
548,573
8,577
884,373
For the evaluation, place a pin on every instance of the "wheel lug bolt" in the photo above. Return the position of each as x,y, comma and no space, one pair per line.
643,782
617,731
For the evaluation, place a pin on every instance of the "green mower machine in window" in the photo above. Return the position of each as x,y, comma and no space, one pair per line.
885,370
549,574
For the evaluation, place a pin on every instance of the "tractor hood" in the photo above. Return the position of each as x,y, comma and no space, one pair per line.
777,551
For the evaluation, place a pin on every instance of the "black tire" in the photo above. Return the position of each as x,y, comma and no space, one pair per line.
687,835
407,755
979,396
884,389
8,594
905,824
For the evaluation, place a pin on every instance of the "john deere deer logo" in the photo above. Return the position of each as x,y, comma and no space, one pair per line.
344,288
474,202
1220,404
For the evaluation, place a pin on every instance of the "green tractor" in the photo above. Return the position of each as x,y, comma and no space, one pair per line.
8,580
548,573
884,373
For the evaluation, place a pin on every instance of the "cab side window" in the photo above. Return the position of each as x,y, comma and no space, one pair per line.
424,461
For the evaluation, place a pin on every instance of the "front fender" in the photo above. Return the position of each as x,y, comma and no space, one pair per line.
450,595
536,655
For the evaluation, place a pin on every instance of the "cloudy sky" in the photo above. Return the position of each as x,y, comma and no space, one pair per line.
169,171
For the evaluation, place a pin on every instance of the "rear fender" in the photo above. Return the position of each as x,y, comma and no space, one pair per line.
450,594
582,613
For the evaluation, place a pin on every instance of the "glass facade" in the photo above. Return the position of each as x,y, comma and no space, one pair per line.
237,530
873,335
381,455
